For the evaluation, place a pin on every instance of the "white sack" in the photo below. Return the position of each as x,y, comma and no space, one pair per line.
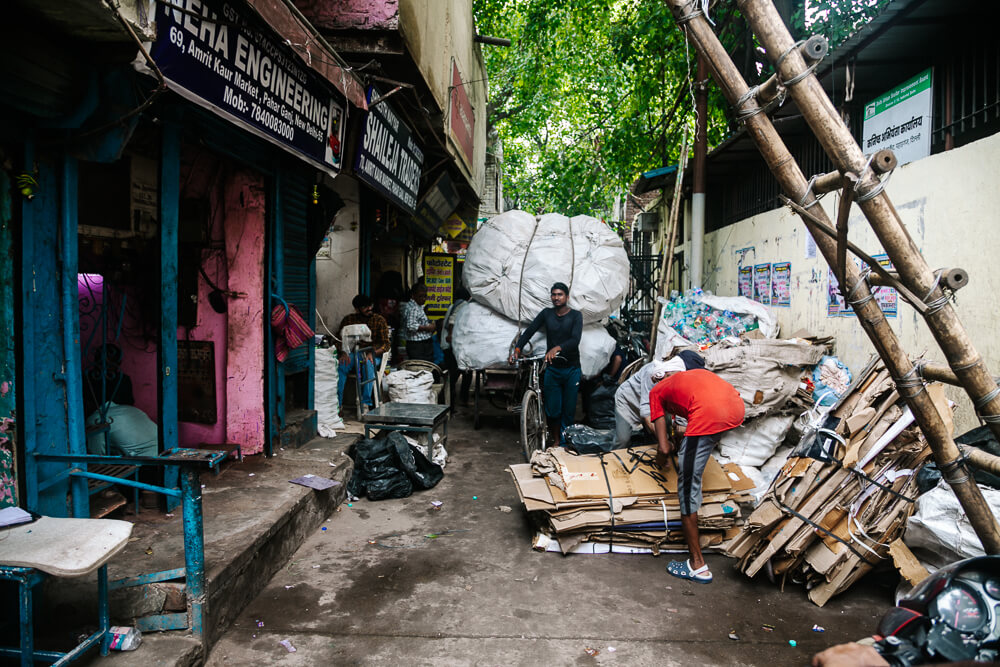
667,338
411,387
484,339
756,441
939,533
440,455
325,378
592,262
772,367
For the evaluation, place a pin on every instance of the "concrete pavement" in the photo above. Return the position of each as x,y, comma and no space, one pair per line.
399,582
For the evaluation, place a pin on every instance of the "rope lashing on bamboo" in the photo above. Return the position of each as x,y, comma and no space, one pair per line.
805,195
940,302
912,379
948,470
982,401
862,280
879,187
686,18
743,115
801,75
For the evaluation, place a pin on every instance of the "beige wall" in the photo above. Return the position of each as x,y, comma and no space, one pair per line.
949,203
435,32
337,277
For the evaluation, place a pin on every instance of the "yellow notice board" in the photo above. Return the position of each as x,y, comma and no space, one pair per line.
439,276
453,226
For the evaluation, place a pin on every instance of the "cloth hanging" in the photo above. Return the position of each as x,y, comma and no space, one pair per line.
291,328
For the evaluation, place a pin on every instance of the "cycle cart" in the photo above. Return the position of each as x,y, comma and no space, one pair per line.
518,390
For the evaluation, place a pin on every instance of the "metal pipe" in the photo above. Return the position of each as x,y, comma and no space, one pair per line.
697,257
194,551
492,41
870,317
847,156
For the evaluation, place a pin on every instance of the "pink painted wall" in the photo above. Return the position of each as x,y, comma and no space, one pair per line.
245,367
351,14
238,230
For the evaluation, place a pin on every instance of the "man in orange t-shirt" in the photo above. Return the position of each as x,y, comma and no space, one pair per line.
711,406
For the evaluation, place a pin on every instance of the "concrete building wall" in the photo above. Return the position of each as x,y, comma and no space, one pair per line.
337,261
948,203
348,14
437,32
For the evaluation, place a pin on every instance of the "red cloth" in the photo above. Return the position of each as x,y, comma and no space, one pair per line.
709,403
291,328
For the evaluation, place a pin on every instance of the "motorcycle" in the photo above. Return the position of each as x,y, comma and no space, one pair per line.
951,616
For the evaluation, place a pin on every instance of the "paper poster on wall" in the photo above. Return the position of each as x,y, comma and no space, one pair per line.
439,276
835,304
810,245
781,284
762,283
887,297
745,284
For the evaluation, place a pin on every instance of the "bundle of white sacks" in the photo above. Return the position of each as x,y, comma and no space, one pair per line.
511,265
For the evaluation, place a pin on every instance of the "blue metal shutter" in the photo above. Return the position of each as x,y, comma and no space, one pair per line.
296,190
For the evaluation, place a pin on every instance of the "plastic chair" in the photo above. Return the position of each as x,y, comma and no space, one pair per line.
441,386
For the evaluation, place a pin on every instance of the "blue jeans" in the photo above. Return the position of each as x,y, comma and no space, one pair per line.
559,388
356,361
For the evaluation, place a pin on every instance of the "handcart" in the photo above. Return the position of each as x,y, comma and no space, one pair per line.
516,389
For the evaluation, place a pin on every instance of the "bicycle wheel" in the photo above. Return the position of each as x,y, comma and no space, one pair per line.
532,424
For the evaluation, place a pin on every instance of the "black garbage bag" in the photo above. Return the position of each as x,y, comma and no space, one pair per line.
389,467
981,438
585,440
601,408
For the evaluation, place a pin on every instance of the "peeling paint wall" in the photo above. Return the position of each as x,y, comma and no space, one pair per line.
337,264
435,32
351,14
948,203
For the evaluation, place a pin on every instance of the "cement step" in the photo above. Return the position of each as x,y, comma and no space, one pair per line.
254,521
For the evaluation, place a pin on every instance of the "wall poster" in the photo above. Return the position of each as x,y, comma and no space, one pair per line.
439,276
762,283
781,284
745,282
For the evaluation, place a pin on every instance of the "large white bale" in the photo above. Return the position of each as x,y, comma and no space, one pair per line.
482,338
582,252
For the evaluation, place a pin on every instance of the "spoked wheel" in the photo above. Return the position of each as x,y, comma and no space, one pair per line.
476,404
532,424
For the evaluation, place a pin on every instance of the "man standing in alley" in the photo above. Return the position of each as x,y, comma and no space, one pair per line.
711,407
417,328
363,365
563,328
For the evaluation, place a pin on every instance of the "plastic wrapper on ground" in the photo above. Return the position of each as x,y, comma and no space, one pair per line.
511,265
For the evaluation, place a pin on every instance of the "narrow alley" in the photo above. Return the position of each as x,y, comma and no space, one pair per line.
400,582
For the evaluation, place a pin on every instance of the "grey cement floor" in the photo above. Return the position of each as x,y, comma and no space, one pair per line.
375,588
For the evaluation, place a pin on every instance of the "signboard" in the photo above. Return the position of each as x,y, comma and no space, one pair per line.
901,120
439,276
222,56
745,282
389,159
440,201
462,122
453,226
762,283
781,284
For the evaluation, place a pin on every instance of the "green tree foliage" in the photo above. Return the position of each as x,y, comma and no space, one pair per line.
593,92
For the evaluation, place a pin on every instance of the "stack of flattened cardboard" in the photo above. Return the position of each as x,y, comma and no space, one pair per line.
623,499
840,504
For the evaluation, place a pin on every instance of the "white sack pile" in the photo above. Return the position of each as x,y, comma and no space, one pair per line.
513,261
411,387
483,338
326,377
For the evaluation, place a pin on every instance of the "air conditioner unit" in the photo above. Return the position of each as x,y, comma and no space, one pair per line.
648,221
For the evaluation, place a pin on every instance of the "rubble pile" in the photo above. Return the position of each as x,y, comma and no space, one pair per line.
844,495
622,501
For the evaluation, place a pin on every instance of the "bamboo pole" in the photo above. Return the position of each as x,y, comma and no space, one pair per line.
870,316
667,260
847,156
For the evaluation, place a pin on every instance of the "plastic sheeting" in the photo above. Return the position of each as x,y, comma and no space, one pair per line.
939,532
483,339
511,271
325,378
411,387
668,338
